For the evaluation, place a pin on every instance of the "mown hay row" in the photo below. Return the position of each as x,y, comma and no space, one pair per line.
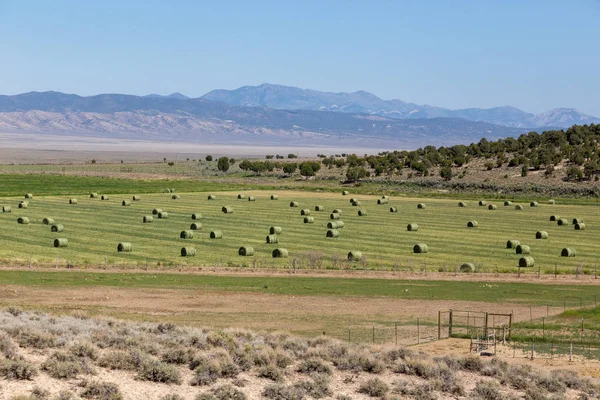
216,235
525,262
567,252
355,255
187,234
420,248
124,247
280,253
61,242
57,228
188,252
246,251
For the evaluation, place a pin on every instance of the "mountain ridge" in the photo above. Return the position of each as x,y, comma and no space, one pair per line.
289,97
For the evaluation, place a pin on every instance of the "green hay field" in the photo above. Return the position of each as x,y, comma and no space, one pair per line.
94,228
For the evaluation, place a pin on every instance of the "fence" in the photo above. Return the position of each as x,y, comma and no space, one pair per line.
396,334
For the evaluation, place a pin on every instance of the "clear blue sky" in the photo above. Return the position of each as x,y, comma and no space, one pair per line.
535,55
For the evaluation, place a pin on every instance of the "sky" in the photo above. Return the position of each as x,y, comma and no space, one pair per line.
534,55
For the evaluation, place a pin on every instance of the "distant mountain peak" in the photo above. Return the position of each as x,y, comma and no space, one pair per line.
175,95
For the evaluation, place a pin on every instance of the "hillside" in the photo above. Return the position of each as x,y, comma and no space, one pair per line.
292,98
177,118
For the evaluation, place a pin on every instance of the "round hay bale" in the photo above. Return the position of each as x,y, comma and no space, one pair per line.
319,208
362,213
356,203
212,197
93,195
512,244
580,226
48,221
332,233
393,209
507,203
525,262
562,221
136,198
567,252
196,216
482,203
163,215
294,204
385,197
274,197
24,204
148,219
577,221
23,220
270,239
72,201
421,206
383,201
188,252
280,253
157,211
175,197
251,198
305,211
6,209
167,191
309,220
104,197
518,207
551,201
534,204
227,209
57,228
172,190
125,203
216,235
345,193
125,247
28,196
338,211
462,204
412,227
420,248
352,200
60,242
541,235
492,207
354,255
189,234
334,216
246,251
241,196
332,225
275,230
522,249
467,267
554,218
196,226
472,224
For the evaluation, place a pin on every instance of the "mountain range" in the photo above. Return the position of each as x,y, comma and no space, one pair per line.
292,98
270,114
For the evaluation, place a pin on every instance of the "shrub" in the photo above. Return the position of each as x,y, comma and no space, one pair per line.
228,392
36,339
101,391
173,396
271,372
178,355
316,388
314,365
157,371
62,365
17,369
487,390
122,360
84,350
374,387
279,391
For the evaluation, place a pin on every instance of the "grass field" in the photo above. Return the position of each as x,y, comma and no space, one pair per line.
94,227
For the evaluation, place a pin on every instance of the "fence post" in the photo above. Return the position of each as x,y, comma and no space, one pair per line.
439,325
485,327
418,332
552,351
530,314
373,334
468,321
532,348
571,351
544,328
564,305
450,324
396,332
